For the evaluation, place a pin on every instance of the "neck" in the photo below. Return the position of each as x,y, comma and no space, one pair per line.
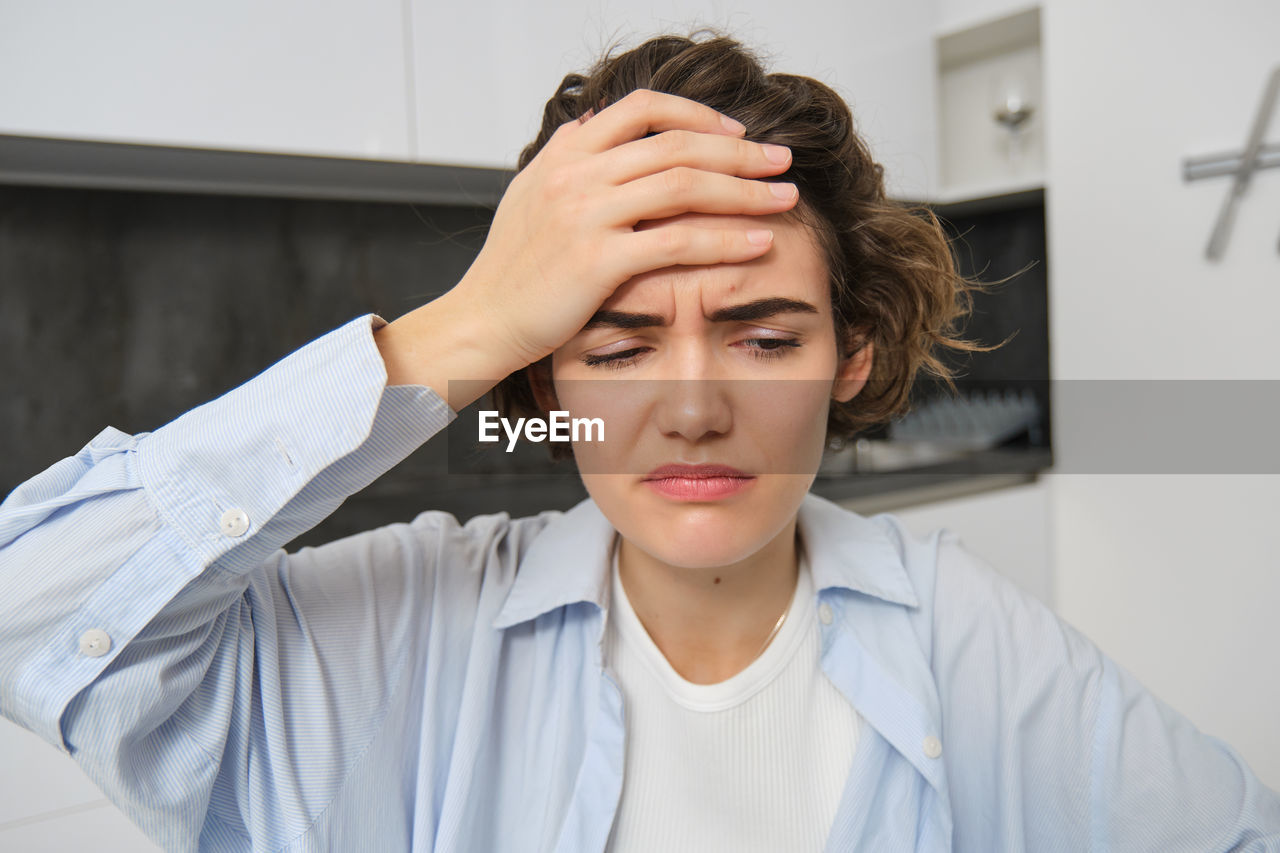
710,622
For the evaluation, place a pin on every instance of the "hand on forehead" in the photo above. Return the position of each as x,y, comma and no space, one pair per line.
792,267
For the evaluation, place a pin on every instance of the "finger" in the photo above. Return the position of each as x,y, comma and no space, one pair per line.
645,111
687,245
710,152
684,190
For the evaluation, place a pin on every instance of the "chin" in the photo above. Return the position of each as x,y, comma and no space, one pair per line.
700,544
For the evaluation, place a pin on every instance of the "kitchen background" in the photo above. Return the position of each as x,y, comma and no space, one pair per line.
187,193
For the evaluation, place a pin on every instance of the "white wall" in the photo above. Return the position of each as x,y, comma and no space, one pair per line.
48,805
1009,528
1175,576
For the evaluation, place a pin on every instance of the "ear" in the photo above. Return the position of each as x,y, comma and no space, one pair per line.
853,370
544,389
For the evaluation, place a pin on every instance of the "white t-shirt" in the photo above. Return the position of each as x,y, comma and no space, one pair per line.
754,763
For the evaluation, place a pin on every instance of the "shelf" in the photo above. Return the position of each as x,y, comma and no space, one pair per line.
125,166
987,38
526,495
966,201
977,193
992,68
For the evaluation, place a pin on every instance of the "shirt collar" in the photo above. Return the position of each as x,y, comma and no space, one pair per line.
568,561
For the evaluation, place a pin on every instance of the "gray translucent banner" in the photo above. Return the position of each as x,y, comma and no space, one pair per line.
771,426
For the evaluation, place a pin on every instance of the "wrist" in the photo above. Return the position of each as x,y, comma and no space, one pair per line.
447,346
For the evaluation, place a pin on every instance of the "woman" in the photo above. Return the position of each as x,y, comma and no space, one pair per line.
701,656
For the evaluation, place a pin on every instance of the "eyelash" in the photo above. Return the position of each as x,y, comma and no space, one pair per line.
618,360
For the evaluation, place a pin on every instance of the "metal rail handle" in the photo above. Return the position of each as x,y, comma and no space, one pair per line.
1255,156
1227,163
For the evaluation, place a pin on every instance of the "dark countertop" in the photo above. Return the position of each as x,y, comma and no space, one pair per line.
466,496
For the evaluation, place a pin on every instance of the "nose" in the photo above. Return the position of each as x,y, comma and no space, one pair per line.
693,408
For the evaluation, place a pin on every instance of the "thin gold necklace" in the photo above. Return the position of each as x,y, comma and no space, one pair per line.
776,626
774,632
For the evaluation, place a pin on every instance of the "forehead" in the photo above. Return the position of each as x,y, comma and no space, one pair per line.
793,267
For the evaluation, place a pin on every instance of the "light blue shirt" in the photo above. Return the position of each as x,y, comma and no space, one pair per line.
409,689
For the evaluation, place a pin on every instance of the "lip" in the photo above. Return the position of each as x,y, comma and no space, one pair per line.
698,482
694,472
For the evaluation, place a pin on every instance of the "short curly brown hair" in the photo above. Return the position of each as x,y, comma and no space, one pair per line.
894,283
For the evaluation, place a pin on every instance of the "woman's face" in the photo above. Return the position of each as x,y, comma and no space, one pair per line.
728,365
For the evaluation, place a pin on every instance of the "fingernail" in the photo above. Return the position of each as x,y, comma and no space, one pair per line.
777,153
759,237
782,190
733,126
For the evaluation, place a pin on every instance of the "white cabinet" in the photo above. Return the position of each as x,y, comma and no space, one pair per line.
287,76
955,15
1008,528
418,80
484,71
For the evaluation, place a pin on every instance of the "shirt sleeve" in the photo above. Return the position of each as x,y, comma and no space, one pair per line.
1053,746
146,609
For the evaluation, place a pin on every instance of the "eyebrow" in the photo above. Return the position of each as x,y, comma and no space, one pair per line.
758,309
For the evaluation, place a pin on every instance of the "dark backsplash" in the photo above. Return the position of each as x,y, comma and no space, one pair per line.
995,245
129,308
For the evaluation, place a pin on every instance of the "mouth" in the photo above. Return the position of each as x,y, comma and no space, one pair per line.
698,482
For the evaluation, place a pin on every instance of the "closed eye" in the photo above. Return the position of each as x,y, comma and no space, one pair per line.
614,360
761,348
771,347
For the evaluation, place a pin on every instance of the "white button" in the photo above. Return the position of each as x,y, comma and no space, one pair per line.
824,613
932,747
234,522
94,643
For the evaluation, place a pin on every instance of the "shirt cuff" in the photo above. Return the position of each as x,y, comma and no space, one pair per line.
222,471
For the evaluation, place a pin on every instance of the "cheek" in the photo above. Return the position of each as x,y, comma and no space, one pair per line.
623,411
791,420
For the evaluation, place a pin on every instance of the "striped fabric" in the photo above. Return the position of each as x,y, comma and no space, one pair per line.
407,689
